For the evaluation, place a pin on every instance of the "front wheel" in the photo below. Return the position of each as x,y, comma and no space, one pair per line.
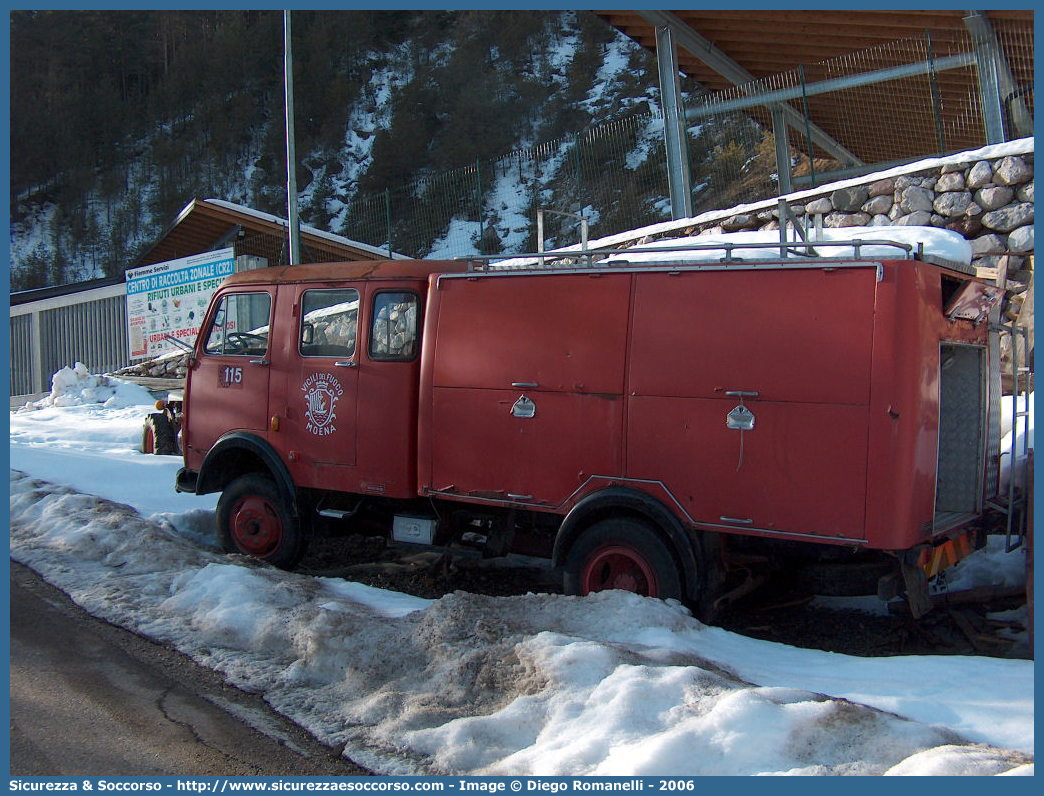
622,553
253,519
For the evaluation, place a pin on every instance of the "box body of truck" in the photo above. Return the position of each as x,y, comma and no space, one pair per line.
866,407
591,413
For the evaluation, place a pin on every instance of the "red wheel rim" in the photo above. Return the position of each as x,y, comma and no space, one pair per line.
255,526
149,443
618,567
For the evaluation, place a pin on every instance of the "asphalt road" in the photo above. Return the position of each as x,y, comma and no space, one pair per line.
91,699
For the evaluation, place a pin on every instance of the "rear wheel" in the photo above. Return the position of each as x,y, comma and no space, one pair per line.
253,519
158,435
622,553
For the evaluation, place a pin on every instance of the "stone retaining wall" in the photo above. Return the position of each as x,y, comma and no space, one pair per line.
989,202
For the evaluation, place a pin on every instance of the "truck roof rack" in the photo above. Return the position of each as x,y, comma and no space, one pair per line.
804,252
809,238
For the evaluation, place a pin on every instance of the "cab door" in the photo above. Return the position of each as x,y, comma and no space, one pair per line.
229,380
317,436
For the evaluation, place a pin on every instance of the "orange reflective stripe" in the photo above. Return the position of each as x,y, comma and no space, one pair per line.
937,559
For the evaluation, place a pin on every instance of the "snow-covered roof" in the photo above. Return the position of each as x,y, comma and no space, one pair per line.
849,242
319,233
863,243
204,223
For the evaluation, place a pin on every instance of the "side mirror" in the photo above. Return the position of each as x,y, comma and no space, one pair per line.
307,333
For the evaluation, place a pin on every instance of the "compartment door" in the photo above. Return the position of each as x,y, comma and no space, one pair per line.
528,385
798,342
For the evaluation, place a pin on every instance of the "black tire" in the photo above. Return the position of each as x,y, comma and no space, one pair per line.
622,553
254,520
158,435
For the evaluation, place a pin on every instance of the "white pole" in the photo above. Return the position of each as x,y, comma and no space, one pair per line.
291,158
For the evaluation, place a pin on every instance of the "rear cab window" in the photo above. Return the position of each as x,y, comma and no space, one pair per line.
393,331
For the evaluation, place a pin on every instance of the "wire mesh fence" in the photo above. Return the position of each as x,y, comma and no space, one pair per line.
904,100
897,102
614,175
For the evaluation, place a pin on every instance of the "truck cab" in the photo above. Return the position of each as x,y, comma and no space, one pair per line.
304,382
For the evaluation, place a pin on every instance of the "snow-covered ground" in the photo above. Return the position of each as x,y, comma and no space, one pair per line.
467,684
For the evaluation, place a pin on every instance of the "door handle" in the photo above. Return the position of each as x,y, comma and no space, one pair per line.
259,362
346,364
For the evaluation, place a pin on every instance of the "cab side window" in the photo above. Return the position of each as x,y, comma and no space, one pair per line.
393,336
240,326
329,323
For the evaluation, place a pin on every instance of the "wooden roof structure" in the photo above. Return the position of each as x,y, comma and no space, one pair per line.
207,224
721,49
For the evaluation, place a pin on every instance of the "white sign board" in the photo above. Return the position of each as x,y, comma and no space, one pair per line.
168,300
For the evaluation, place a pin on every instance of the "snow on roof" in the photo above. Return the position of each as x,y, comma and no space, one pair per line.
862,242
882,243
249,211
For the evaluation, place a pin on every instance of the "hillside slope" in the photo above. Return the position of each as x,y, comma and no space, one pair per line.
121,118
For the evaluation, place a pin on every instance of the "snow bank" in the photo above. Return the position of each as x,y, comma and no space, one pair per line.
87,435
77,386
535,684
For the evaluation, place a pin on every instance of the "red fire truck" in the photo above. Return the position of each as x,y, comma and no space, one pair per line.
672,426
